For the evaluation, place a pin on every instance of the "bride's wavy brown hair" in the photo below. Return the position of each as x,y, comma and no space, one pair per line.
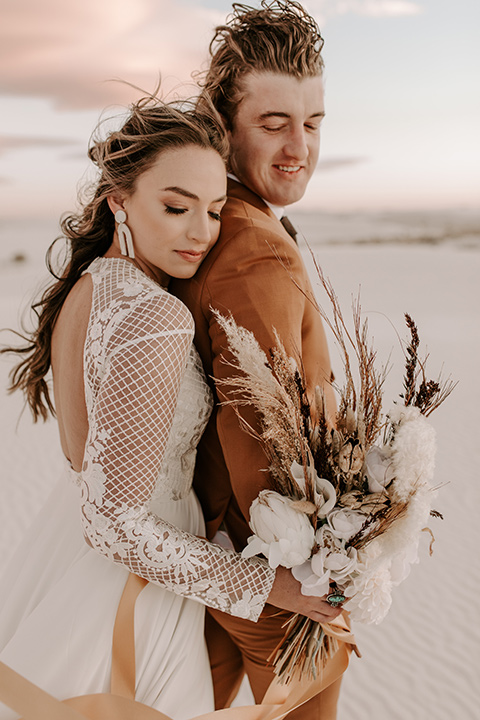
279,36
151,128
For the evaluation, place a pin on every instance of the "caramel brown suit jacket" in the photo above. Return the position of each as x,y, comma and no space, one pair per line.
256,273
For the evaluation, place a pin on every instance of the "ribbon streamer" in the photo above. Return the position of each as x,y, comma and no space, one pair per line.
33,703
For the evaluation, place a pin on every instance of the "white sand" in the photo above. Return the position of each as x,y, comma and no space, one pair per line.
422,662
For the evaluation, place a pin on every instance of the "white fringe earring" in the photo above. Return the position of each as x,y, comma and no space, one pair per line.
124,235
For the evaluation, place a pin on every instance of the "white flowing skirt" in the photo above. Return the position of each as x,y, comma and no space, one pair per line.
58,602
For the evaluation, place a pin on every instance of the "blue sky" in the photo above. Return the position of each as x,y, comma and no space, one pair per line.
402,94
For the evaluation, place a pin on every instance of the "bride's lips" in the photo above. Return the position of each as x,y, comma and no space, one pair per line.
192,256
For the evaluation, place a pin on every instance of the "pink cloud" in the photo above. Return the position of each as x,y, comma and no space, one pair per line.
371,8
13,142
380,8
333,163
69,51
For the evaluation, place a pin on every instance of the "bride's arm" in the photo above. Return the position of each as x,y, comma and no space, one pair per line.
134,408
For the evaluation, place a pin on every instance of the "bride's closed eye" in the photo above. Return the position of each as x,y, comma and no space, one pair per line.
174,210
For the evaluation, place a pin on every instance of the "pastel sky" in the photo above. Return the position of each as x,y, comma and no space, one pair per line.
402,94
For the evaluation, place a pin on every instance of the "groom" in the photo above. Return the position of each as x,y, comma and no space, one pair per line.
265,79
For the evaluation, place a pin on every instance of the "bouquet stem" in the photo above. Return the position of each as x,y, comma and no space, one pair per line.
303,651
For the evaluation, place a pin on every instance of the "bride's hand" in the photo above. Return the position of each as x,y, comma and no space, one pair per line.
286,594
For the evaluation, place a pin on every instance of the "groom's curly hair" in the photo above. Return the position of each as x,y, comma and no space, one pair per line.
279,37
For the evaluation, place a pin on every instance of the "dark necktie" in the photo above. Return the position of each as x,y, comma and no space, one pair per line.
289,227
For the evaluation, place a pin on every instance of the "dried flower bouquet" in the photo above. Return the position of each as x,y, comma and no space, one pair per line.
350,497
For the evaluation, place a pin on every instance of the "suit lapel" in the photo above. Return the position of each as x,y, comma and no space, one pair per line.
240,192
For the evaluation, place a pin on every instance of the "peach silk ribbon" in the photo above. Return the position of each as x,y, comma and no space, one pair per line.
33,703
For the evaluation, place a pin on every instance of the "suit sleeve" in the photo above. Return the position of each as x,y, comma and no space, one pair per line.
259,278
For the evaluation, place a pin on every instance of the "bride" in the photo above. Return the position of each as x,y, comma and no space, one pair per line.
131,402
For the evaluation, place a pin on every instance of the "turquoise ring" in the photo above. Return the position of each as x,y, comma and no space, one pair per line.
335,598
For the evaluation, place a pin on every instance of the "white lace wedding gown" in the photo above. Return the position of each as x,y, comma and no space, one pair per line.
147,403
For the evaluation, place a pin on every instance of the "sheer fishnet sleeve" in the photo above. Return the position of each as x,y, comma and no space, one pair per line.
135,384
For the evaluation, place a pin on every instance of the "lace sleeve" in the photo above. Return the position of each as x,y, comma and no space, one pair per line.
129,426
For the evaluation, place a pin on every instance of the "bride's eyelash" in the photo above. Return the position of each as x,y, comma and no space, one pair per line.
174,211
180,211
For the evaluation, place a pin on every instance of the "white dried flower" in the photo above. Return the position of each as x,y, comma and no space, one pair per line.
331,563
313,575
325,494
370,595
350,457
316,582
244,345
284,535
413,452
402,562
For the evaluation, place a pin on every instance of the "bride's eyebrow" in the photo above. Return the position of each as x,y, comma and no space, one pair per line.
181,191
188,194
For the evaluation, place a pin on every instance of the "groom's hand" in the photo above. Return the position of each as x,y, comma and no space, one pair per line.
286,594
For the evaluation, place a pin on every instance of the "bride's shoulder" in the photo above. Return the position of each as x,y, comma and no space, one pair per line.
128,297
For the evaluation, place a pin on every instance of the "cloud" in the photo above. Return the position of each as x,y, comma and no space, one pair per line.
334,163
69,51
13,142
370,8
382,8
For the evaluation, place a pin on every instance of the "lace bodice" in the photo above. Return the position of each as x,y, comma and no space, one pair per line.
147,403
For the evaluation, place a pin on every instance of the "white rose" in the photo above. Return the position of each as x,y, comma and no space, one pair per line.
345,523
341,564
379,468
283,534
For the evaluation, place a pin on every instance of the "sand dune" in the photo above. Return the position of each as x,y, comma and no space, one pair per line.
422,662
